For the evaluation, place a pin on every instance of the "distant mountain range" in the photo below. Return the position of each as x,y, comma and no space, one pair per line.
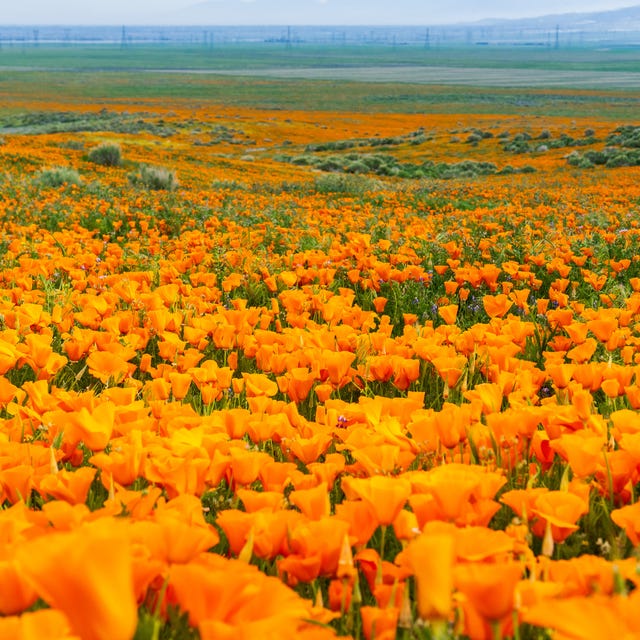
301,12
313,12
627,19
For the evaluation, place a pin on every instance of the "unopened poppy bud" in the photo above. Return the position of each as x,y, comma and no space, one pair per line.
346,568
247,550
547,542
356,598
52,460
405,619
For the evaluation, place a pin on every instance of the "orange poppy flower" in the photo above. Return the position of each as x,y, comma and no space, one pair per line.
379,624
107,366
236,594
583,451
94,427
586,618
322,537
488,395
9,356
628,518
327,471
180,383
337,365
448,313
361,519
257,500
72,486
560,510
430,558
16,594
245,465
490,588
44,624
385,495
86,574
314,503
297,383
308,450
583,352
497,306
379,303
258,384
298,568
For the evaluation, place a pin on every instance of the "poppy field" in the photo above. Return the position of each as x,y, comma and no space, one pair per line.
279,373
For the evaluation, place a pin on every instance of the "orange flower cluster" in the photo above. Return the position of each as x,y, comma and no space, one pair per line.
296,413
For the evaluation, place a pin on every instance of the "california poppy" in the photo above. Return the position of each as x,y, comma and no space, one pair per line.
431,559
87,574
385,495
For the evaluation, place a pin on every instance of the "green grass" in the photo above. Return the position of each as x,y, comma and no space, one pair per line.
265,55
90,74
124,87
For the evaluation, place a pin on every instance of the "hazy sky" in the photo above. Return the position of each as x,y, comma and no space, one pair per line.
244,12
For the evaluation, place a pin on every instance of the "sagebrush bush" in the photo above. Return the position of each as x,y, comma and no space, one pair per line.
107,154
154,178
343,184
58,176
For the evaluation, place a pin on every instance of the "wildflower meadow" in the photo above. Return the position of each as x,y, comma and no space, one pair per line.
271,372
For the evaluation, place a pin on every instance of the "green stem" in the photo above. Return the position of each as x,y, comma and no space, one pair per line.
516,626
155,634
439,630
383,534
609,480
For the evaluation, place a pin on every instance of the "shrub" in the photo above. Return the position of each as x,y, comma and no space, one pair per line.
304,160
357,166
75,145
585,163
154,178
619,160
342,184
330,164
106,154
597,157
57,176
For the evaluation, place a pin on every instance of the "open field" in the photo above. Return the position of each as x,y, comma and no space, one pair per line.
237,57
291,358
541,81
476,76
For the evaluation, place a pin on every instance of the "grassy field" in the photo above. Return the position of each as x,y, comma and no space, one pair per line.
563,82
229,57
